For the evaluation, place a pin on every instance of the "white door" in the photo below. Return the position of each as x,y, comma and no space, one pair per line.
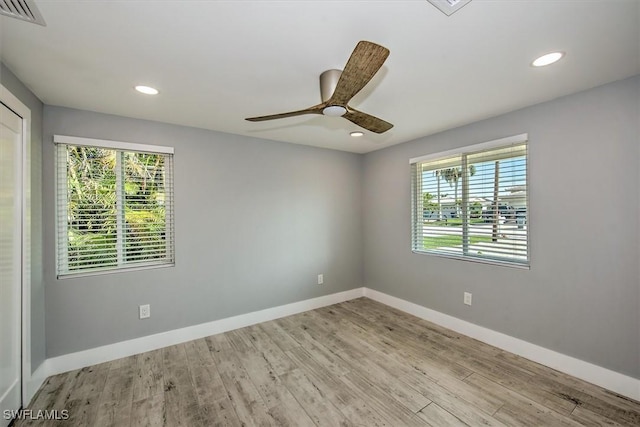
10,261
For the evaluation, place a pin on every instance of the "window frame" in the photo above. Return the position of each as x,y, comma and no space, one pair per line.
61,193
463,152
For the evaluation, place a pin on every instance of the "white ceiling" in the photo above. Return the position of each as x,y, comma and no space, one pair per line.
217,62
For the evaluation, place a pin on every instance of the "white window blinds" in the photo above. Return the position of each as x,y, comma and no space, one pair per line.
114,205
473,204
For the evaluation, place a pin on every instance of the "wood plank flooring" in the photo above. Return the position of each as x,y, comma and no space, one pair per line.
358,363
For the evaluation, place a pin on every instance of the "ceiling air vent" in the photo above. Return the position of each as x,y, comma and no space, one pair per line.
448,6
24,10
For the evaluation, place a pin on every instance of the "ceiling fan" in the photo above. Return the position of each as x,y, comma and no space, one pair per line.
338,87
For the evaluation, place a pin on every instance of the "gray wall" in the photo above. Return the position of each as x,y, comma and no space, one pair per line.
15,86
256,221
581,296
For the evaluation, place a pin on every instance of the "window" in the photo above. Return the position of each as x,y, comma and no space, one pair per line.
472,203
114,205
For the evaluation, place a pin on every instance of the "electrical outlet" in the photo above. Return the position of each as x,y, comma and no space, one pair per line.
467,298
320,279
145,311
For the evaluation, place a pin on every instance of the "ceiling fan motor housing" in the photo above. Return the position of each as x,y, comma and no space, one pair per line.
328,82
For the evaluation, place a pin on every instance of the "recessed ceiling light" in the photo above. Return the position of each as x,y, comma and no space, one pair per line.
147,90
548,59
356,134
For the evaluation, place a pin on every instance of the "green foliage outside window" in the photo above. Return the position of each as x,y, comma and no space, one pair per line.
102,217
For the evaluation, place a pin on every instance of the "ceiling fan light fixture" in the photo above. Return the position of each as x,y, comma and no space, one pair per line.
147,90
547,59
334,111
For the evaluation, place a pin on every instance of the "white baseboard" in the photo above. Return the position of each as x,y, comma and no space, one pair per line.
36,380
80,359
603,377
611,380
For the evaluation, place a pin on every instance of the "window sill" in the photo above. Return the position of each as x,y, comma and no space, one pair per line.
113,271
526,266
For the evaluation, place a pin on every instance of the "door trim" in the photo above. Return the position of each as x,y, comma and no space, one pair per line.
24,112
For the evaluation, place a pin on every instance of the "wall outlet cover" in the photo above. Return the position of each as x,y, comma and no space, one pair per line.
467,298
144,311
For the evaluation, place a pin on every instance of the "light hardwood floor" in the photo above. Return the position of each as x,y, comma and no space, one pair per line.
357,363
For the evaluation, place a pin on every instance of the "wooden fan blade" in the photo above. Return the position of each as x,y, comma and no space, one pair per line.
316,109
363,64
367,121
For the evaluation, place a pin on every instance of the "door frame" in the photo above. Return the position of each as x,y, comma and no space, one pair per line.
11,101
